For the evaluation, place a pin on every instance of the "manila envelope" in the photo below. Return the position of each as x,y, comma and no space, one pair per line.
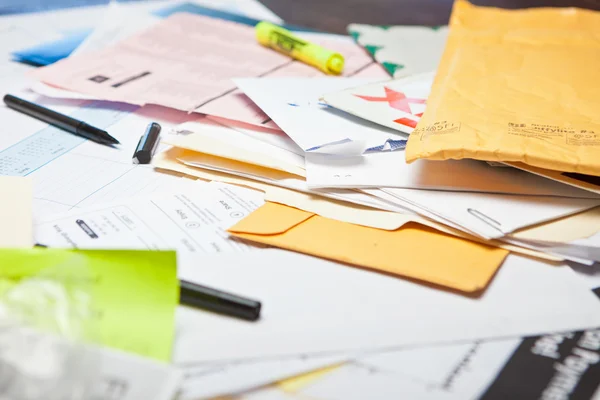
516,86
413,251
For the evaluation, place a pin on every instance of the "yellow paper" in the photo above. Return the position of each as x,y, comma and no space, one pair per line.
133,293
299,382
206,146
564,230
16,223
516,85
412,251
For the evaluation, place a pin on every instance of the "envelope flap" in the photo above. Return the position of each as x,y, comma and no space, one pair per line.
271,219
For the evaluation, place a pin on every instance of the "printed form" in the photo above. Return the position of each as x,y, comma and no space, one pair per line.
70,172
182,62
192,221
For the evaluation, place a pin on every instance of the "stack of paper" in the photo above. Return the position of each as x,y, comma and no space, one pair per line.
381,222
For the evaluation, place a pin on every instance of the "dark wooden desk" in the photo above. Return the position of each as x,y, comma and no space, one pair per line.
335,15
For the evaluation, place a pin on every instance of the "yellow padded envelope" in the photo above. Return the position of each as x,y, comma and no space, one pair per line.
413,251
516,85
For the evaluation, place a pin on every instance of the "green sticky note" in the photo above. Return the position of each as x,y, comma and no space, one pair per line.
132,294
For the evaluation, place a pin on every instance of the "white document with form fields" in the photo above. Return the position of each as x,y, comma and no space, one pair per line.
191,220
314,306
68,171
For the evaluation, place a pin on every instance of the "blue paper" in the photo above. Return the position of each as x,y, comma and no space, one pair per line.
220,14
389,145
27,6
48,53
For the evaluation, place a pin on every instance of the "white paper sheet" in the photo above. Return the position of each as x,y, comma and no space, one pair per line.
124,376
390,169
212,380
492,215
293,103
541,365
583,249
192,221
458,372
275,137
312,305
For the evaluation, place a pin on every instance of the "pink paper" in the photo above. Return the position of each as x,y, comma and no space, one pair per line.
239,107
187,62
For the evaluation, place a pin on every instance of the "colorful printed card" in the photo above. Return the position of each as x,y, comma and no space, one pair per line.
402,50
397,104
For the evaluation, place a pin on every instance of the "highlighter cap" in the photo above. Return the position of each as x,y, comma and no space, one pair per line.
335,64
327,61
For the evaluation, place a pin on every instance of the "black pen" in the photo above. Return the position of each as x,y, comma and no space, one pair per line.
218,301
59,120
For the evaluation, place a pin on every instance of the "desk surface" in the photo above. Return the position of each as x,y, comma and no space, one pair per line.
335,15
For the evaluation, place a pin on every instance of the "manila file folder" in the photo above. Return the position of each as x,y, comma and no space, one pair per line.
413,251
516,86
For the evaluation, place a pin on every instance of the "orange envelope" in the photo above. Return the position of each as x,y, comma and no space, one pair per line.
413,251
516,86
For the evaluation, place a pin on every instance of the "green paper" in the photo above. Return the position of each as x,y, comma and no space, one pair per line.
133,293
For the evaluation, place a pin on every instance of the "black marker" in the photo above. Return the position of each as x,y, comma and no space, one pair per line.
194,295
59,120
217,301
147,144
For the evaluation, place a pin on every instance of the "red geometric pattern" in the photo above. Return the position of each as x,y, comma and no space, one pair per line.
406,122
396,100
